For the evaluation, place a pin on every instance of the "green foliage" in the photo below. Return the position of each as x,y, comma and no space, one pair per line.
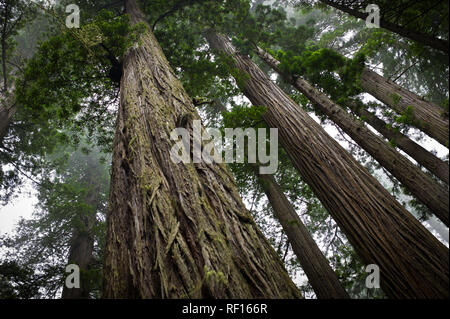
72,190
70,86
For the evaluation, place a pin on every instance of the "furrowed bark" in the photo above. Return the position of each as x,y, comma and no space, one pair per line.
320,275
412,262
427,116
422,186
436,43
176,230
425,158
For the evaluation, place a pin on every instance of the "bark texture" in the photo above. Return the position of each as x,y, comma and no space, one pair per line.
425,158
413,263
176,230
427,116
436,43
422,186
320,275
82,241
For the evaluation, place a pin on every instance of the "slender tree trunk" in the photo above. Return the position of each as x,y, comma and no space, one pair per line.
320,275
80,254
4,70
422,186
425,158
6,114
426,116
412,262
176,230
436,43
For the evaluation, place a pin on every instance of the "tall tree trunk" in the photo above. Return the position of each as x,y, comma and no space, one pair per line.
412,262
422,186
426,116
176,230
436,43
439,228
425,158
82,241
80,254
320,275
6,113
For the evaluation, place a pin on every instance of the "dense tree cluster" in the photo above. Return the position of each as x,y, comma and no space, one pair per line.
86,116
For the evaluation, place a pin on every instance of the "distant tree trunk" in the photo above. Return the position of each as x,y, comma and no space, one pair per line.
176,230
436,43
425,158
422,186
82,241
320,275
6,114
426,116
80,254
412,262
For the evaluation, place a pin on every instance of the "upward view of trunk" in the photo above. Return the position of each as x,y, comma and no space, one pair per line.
320,275
426,116
176,230
436,43
425,158
422,186
412,262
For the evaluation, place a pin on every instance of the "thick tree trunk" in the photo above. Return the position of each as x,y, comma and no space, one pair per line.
436,43
176,230
320,275
422,186
425,158
412,262
426,116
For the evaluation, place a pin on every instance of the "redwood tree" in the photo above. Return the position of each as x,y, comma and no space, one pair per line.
428,191
413,263
424,157
422,114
